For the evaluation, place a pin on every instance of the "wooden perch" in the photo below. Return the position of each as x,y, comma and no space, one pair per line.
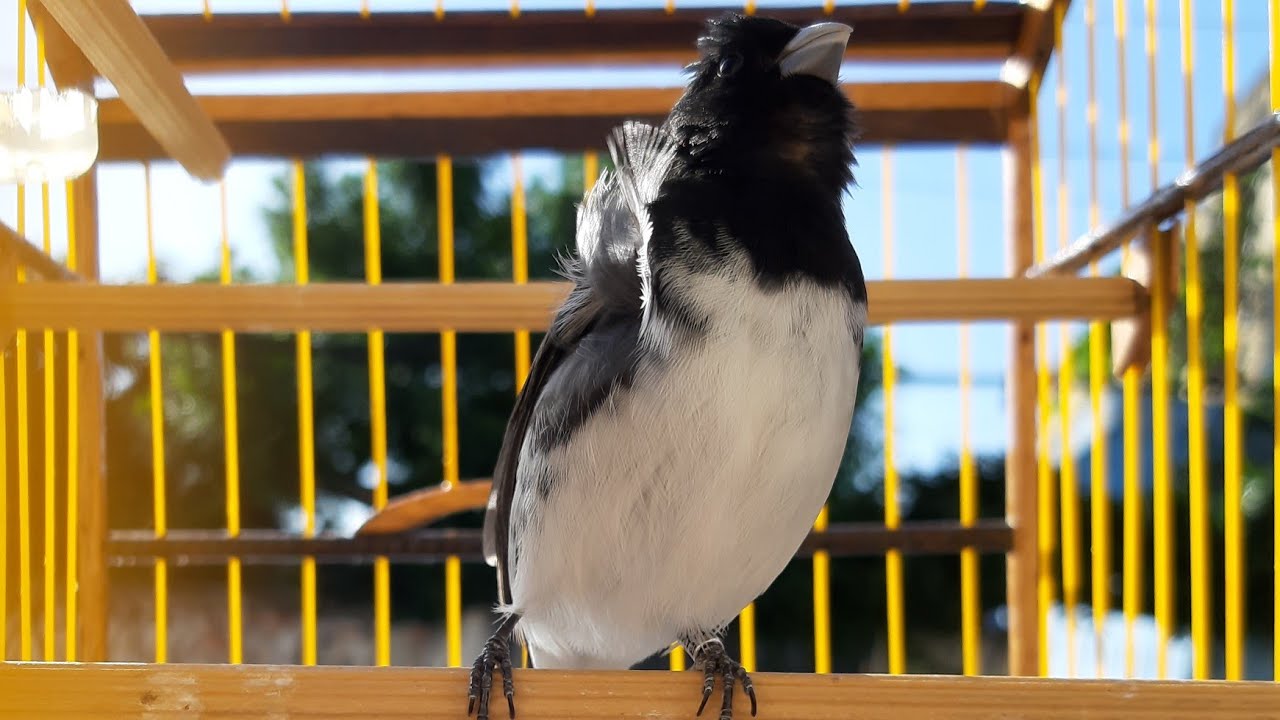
118,44
503,307
423,507
180,691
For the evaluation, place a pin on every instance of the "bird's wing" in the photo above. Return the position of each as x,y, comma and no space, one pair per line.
644,156
609,277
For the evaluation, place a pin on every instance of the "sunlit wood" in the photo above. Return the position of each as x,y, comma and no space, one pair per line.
497,307
88,692
119,45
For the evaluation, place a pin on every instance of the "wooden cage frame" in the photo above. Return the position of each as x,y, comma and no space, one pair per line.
156,117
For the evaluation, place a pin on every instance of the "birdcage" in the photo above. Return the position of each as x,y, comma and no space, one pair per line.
1033,187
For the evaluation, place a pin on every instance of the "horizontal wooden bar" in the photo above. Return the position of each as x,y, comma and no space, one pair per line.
432,546
117,43
1241,155
180,691
500,306
229,42
471,122
33,258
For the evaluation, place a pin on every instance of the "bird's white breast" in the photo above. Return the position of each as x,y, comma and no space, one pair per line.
681,499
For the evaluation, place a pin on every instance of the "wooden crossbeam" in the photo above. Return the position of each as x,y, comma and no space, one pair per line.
180,691
466,122
501,307
117,43
227,42
432,546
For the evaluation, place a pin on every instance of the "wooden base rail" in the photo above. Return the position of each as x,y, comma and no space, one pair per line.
178,691
502,307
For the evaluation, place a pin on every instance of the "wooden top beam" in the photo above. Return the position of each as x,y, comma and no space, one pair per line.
117,43
931,32
471,122
179,691
500,306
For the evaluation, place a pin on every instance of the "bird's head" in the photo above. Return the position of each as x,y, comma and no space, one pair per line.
764,95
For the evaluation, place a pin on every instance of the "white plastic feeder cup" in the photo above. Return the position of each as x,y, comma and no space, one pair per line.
47,135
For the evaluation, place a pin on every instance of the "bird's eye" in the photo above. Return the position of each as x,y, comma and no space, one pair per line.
730,65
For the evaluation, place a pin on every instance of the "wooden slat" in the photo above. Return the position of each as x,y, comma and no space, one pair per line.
464,122
29,255
1021,491
432,546
69,67
92,581
932,32
1034,45
501,307
119,46
163,692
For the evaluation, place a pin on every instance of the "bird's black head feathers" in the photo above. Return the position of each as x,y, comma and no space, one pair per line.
741,113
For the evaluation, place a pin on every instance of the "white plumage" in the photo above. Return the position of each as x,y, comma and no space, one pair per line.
667,522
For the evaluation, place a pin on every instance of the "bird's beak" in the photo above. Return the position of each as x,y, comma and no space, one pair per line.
816,50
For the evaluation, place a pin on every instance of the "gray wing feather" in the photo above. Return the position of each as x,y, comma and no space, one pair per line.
609,275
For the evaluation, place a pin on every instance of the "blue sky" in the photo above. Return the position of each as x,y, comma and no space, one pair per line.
922,213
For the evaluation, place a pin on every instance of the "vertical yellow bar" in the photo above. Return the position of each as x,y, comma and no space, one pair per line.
449,405
519,261
893,558
970,589
306,419
1046,540
1067,485
157,444
377,414
821,603
4,410
231,450
1162,492
50,416
24,460
71,623
1099,500
1133,530
590,169
1233,514
1201,629
1273,29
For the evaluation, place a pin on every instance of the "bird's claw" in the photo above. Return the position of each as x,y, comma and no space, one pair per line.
711,657
495,656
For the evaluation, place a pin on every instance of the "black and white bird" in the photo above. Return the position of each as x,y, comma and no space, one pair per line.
686,414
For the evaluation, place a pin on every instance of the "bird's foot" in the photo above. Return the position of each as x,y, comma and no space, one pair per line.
495,656
710,656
